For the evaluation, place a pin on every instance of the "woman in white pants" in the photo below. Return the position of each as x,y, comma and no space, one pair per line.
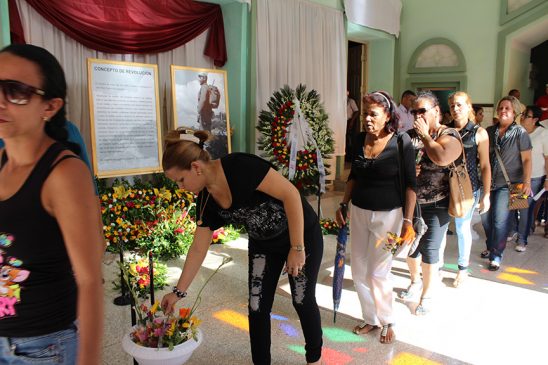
374,189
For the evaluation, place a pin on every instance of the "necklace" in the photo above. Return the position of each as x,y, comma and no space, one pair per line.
202,208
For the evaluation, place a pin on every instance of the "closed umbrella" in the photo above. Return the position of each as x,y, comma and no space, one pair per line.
338,273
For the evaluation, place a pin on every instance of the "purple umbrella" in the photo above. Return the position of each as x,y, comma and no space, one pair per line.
338,273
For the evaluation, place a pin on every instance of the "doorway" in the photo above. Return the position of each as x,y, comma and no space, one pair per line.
356,86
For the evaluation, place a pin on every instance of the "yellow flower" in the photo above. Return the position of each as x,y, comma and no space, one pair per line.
121,191
171,329
155,307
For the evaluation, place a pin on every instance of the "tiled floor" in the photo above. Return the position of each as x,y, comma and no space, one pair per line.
494,318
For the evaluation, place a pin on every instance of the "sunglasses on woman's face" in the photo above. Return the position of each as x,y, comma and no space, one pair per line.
19,93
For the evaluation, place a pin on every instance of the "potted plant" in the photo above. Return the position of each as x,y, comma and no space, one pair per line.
163,339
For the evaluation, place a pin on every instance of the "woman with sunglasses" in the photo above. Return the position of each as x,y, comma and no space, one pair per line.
539,165
513,144
51,242
476,147
374,189
436,146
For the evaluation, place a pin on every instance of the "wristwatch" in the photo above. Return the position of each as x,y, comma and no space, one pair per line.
298,248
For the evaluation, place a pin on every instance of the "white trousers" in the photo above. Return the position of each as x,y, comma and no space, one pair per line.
371,264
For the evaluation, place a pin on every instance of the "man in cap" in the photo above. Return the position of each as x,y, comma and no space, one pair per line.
205,110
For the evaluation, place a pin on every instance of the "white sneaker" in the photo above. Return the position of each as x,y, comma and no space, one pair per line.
512,237
521,247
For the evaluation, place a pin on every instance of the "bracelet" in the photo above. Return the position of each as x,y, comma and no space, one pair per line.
178,293
298,248
407,220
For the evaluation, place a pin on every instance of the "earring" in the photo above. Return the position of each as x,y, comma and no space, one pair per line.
198,173
45,119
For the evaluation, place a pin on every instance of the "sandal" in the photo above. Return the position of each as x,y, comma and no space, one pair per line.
424,307
384,333
412,290
359,329
461,276
484,254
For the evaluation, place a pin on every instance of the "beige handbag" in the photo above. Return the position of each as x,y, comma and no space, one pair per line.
461,196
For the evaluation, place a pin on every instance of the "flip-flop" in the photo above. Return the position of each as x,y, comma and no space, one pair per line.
384,333
424,307
484,254
357,330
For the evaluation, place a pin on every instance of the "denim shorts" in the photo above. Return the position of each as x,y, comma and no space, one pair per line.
59,347
436,216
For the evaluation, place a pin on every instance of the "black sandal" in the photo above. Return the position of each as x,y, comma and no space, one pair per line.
484,254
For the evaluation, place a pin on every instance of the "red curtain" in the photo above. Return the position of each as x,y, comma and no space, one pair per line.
16,28
137,26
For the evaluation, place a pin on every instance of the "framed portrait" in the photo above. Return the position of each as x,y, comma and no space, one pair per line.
200,102
125,117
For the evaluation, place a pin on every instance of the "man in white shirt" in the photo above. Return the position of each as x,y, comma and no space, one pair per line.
406,119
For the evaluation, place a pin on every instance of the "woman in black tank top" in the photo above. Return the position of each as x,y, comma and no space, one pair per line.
50,227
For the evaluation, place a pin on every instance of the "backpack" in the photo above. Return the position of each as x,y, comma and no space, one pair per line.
213,96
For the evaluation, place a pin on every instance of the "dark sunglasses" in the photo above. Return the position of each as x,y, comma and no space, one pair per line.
420,111
19,93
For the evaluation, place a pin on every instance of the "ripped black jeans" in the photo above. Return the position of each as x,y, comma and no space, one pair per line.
266,261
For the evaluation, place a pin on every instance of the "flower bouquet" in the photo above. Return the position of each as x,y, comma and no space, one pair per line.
160,338
393,243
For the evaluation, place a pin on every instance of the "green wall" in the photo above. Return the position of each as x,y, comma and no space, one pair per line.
473,25
518,77
381,48
236,21
4,24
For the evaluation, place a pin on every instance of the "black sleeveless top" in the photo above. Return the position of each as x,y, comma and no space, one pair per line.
468,135
37,286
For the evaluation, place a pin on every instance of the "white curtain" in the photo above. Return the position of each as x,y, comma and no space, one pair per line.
377,14
73,57
302,42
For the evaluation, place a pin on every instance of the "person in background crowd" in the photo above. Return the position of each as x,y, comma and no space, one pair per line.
542,103
436,146
478,114
352,124
405,119
283,230
51,235
476,147
374,189
517,94
514,145
539,156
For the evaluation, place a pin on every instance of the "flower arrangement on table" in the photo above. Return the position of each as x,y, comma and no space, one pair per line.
274,124
157,217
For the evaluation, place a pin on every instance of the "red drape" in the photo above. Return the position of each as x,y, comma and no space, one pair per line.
137,26
16,27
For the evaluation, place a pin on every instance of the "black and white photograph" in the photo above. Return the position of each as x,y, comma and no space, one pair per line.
200,102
